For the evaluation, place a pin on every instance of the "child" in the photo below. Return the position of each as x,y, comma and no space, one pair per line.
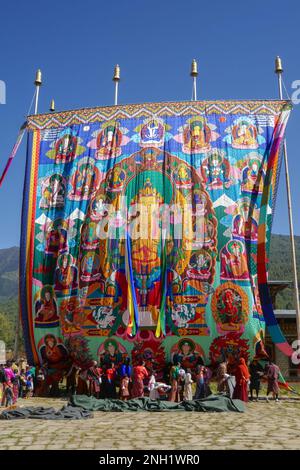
29,386
124,392
9,394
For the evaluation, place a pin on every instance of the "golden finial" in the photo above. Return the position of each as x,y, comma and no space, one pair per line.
52,106
194,69
38,78
117,74
278,65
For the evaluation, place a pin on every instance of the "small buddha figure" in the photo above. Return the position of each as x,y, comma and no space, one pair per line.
244,134
196,136
234,261
253,176
46,308
216,171
66,148
53,193
84,181
109,142
56,238
65,277
200,266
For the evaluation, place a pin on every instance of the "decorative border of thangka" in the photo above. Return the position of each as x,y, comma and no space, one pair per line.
184,108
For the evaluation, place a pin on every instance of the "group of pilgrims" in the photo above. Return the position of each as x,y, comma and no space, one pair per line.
126,381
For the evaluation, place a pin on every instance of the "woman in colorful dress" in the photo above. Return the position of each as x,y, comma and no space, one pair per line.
242,377
140,373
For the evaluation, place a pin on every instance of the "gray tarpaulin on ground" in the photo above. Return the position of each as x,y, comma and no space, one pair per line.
217,403
39,412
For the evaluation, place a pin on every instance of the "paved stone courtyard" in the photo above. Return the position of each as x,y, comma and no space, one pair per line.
263,426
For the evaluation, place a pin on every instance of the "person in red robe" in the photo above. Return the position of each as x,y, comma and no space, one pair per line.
139,374
242,377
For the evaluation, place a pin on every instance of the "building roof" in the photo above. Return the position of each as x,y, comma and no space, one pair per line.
285,313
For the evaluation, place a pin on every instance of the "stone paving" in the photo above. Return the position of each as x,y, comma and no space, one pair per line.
263,426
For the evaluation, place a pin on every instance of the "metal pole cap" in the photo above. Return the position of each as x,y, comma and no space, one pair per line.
278,65
38,78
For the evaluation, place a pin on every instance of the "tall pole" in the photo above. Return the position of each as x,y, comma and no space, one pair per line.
38,84
279,71
194,75
116,79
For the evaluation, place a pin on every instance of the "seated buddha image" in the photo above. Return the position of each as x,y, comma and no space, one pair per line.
53,192
196,136
234,261
183,177
83,181
245,227
46,308
65,277
200,266
89,236
56,238
215,171
116,178
109,142
66,148
253,176
152,133
99,207
244,134
90,268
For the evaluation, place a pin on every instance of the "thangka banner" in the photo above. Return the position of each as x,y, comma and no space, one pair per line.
145,232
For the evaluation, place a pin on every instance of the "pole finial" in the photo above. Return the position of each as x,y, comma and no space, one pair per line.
194,68
278,65
38,78
52,106
117,74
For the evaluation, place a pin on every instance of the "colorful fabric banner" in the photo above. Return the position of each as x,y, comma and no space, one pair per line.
145,232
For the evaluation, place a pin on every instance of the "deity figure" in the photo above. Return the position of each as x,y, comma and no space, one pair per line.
90,267
183,177
89,236
196,136
200,265
116,178
84,181
65,148
253,176
46,308
245,227
65,277
234,261
54,354
109,352
185,352
109,142
56,238
244,134
216,171
53,192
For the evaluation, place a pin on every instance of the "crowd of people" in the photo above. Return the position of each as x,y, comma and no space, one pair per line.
125,381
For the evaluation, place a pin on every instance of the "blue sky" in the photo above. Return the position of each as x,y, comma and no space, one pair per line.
77,43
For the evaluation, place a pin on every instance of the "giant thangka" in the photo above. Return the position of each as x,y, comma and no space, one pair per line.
145,232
